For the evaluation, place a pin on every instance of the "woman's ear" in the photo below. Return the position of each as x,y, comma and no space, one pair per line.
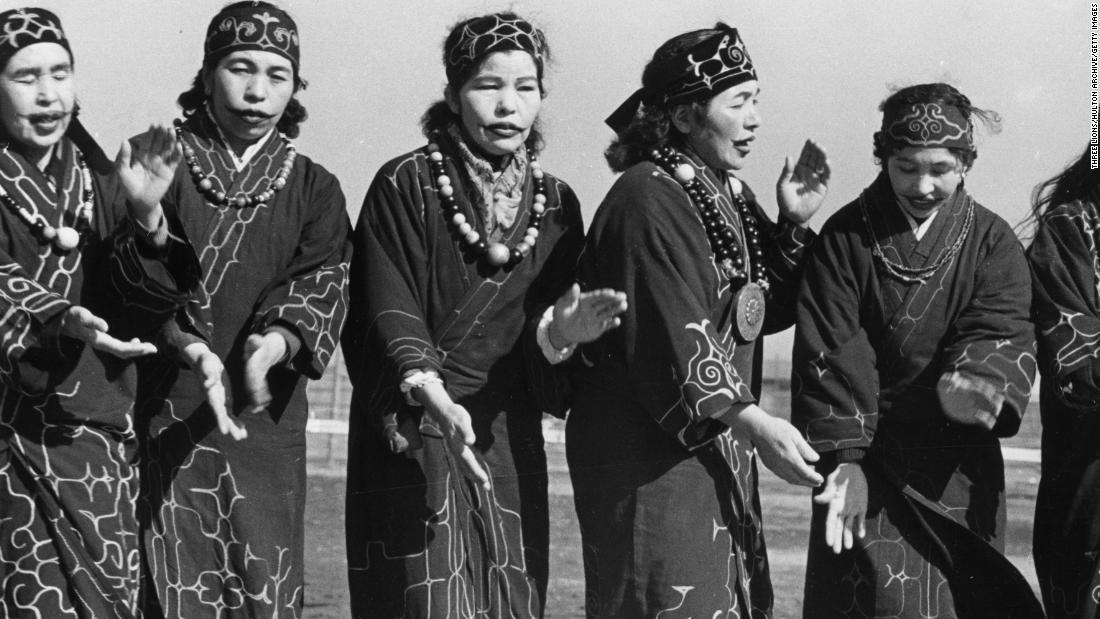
683,118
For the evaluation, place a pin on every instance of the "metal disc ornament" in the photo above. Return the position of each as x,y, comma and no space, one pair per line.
749,312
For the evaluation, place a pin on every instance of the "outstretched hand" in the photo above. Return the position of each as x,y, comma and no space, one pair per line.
458,435
145,166
81,324
208,367
846,495
261,353
802,187
778,443
581,317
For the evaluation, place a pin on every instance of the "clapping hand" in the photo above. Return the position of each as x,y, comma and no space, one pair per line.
145,166
80,323
208,367
581,317
802,187
846,495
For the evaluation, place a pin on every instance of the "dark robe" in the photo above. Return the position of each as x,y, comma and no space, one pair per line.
423,541
223,520
666,495
1066,308
869,350
68,533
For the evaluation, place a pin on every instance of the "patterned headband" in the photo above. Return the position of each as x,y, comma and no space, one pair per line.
252,25
711,66
926,124
499,32
20,28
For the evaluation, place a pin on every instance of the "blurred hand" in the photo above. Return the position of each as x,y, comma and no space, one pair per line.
846,495
583,317
969,400
81,324
208,367
778,443
145,166
802,187
261,353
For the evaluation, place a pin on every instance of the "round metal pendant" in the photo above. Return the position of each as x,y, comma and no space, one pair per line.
749,305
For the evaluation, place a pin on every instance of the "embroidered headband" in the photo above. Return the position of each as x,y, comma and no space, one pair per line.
926,124
711,66
252,25
499,32
20,28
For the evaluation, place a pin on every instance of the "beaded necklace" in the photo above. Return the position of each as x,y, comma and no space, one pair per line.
219,198
64,238
913,275
722,238
496,254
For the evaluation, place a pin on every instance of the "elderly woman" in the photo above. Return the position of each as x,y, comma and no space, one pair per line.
660,439
1066,307
913,354
462,247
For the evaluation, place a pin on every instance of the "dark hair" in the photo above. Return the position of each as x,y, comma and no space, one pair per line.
652,126
934,93
193,100
439,116
1079,181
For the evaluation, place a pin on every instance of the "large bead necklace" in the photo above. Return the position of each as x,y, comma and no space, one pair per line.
916,275
64,238
219,198
496,254
722,238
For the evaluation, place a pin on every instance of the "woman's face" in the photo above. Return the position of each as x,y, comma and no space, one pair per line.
500,102
37,95
249,91
923,178
722,131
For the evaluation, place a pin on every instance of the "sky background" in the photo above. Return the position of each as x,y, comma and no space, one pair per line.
374,66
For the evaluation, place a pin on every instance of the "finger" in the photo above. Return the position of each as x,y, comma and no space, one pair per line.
788,170
122,159
806,452
473,467
124,350
861,520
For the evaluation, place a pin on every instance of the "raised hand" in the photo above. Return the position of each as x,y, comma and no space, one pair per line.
846,495
145,166
261,353
778,443
802,187
969,400
80,323
583,317
208,367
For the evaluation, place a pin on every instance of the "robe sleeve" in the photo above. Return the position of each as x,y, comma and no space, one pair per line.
993,339
309,298
30,320
834,382
785,253
652,246
387,335
1066,303
549,383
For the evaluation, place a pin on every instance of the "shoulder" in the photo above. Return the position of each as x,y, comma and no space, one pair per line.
847,220
992,226
644,191
316,173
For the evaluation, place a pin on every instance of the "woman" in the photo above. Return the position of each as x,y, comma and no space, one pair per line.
1066,307
660,437
913,354
460,247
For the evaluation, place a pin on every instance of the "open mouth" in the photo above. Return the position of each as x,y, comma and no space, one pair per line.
46,121
745,145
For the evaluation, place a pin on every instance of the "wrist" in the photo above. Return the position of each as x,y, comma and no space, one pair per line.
555,338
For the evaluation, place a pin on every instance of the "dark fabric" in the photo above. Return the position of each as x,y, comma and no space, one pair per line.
497,32
259,26
666,496
422,540
698,73
869,352
68,533
932,125
1066,310
27,26
223,520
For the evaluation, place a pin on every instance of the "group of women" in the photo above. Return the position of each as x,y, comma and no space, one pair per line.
476,302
